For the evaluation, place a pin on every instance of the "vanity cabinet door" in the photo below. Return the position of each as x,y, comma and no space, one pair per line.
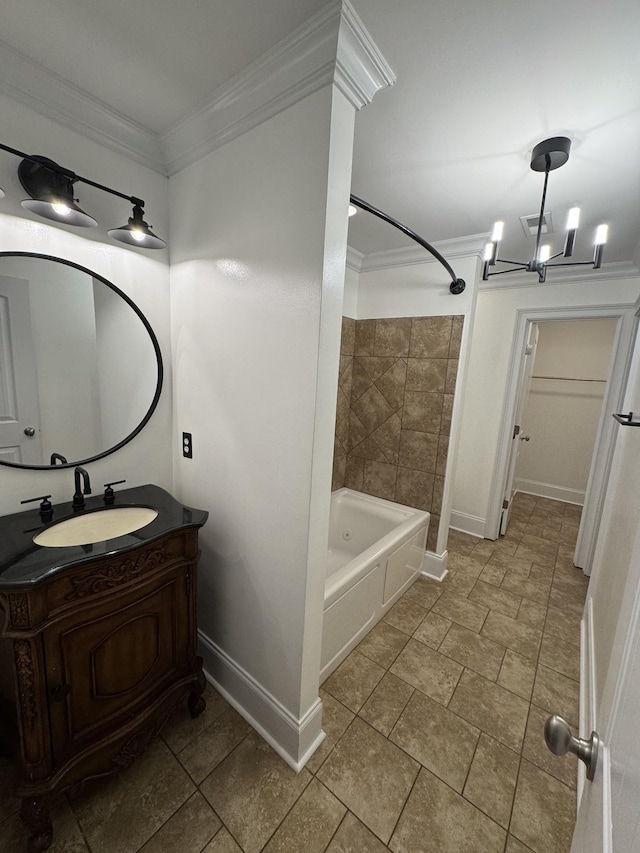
108,660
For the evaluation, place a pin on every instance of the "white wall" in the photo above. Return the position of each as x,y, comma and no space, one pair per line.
562,412
489,365
142,275
258,254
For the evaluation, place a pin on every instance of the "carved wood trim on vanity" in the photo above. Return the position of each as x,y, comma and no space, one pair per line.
18,610
115,574
26,681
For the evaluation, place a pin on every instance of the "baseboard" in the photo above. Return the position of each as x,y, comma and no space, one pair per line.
295,740
471,524
547,490
434,566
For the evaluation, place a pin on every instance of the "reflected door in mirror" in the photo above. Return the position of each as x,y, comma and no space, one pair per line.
19,409
81,369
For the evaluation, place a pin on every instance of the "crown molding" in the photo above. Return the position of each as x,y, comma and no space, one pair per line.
354,259
456,247
50,95
361,70
572,275
331,47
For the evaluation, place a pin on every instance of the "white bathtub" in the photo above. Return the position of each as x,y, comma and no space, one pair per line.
376,549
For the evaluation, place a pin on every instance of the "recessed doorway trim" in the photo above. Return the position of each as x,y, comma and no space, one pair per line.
624,313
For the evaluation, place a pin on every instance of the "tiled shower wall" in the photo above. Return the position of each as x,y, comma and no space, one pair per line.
395,396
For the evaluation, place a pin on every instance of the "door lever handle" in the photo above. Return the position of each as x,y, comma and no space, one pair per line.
560,740
525,438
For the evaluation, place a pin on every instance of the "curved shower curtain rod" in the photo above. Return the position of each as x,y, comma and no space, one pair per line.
457,284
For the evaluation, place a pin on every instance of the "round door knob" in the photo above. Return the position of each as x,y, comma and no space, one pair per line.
30,431
560,740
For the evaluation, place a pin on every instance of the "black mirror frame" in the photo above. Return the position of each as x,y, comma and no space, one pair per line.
156,347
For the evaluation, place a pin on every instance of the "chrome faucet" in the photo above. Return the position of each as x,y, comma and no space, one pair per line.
78,498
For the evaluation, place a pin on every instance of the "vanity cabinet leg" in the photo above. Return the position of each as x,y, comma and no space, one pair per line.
196,701
37,818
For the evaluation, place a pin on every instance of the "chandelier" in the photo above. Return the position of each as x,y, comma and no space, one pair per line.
548,155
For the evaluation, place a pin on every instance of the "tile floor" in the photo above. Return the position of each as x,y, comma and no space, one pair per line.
434,731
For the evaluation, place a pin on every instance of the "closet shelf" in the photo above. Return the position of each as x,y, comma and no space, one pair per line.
568,379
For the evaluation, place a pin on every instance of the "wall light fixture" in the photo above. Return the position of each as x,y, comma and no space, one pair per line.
50,188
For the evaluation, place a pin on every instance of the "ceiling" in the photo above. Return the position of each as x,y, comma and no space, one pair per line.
446,150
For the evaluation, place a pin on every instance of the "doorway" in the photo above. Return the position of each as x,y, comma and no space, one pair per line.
567,363
621,321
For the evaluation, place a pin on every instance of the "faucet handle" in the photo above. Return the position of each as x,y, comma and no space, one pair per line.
109,495
46,507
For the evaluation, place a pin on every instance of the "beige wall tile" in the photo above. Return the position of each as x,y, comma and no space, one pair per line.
365,334
414,488
430,337
380,479
427,374
418,450
348,336
456,335
354,473
422,411
392,336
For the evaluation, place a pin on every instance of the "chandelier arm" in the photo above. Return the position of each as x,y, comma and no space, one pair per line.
517,263
457,284
544,199
515,269
573,264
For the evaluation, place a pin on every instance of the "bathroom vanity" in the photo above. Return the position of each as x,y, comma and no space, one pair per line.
97,644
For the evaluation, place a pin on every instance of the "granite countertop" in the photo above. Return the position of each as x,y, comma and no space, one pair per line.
24,564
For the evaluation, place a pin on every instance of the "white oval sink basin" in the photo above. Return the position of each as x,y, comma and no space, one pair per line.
95,526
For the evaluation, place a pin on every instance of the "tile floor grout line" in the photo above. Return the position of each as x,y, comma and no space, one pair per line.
290,809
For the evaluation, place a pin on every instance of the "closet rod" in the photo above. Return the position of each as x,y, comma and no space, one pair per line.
568,379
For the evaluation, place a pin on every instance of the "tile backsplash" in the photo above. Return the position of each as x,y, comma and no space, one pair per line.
395,396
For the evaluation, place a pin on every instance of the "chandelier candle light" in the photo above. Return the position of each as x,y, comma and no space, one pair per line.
548,155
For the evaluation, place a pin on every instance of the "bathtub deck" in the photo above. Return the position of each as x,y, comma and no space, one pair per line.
337,558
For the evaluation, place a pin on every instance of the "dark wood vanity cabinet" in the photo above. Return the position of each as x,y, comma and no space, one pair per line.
94,660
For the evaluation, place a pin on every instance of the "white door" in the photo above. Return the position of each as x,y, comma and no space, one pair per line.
526,371
608,810
19,411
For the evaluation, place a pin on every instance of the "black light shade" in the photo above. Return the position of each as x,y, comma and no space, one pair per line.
51,194
137,232
1,193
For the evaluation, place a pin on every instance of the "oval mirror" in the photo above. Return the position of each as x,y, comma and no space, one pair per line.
80,366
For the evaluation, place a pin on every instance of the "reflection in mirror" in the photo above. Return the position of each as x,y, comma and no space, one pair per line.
80,367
